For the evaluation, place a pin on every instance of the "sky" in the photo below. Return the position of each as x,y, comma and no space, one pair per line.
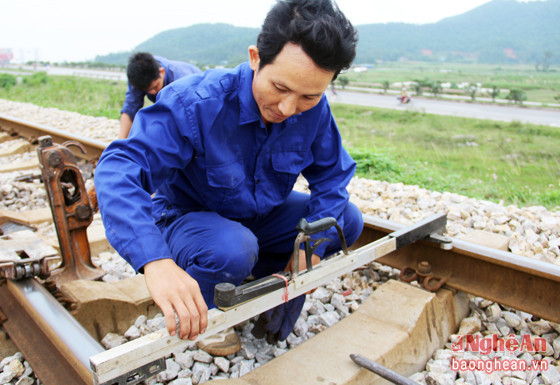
78,30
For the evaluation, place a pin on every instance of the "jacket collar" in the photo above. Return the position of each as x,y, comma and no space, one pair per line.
248,109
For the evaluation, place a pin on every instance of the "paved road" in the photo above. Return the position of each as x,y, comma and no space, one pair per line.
507,113
548,117
99,74
54,70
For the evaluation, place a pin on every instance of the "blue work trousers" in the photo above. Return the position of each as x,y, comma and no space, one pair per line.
213,249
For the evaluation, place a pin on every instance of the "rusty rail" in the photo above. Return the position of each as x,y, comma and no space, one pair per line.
509,279
33,131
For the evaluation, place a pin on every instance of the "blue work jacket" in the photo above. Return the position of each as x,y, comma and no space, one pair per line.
174,70
203,146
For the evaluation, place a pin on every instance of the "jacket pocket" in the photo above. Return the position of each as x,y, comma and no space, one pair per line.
226,182
287,166
225,176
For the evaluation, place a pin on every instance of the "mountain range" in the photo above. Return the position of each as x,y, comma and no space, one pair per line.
500,31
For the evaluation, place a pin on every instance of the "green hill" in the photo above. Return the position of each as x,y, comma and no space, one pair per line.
202,44
501,31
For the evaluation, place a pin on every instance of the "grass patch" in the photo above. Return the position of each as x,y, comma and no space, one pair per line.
514,162
93,97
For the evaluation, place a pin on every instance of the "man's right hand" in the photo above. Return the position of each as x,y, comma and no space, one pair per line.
176,292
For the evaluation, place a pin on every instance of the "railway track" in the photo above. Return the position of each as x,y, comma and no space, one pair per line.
32,131
466,267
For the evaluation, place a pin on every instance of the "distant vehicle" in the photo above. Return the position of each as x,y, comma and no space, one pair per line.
6,56
404,99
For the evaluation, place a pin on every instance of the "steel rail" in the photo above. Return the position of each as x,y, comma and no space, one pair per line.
56,346
518,282
33,131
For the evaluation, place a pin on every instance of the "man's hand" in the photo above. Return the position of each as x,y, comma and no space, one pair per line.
125,125
176,292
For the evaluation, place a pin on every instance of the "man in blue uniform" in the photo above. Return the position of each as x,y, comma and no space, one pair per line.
221,151
147,75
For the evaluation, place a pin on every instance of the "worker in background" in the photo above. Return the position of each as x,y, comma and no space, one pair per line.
221,152
147,75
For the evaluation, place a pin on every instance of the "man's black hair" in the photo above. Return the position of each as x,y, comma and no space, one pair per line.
142,70
317,26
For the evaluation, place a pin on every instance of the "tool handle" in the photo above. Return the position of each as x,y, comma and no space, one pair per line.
316,226
305,228
227,295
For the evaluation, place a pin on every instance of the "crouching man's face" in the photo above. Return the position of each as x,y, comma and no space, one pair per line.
291,84
157,84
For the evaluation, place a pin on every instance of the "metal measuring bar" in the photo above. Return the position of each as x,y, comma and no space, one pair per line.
227,295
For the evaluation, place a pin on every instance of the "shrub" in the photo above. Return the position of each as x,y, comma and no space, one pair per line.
517,96
38,78
343,80
373,163
7,81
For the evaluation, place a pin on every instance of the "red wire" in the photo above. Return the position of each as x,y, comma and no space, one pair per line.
285,295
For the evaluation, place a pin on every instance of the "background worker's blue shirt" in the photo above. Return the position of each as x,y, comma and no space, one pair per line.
174,70
204,147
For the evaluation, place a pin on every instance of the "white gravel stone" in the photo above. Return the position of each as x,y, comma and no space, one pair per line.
201,373
112,340
278,351
171,371
512,381
439,366
301,328
222,364
185,360
329,318
322,294
249,349
181,381
246,367
132,333
493,312
512,319
203,357
540,327
156,323
434,378
470,325
551,376
185,373
556,347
